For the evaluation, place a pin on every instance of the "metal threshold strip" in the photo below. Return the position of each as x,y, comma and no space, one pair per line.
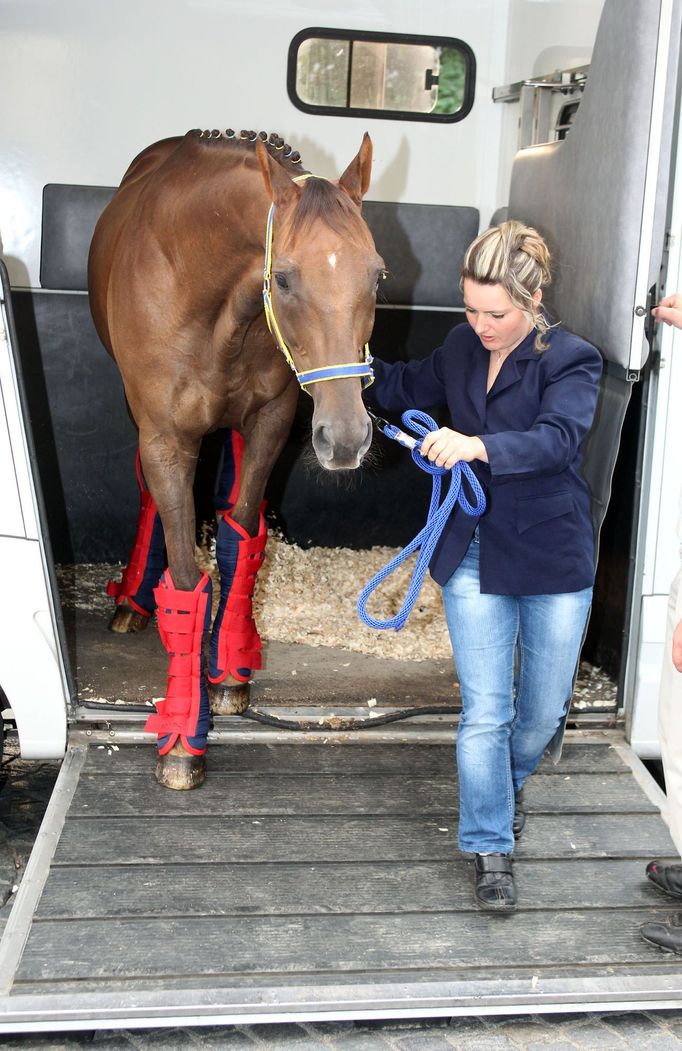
117,723
320,1003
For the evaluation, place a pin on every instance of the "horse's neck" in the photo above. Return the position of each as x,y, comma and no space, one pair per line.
221,209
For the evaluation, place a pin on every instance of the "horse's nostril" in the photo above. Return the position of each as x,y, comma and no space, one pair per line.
322,443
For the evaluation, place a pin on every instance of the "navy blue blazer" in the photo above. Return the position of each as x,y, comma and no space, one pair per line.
536,534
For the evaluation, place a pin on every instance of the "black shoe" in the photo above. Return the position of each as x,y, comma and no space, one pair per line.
665,936
494,882
519,814
667,878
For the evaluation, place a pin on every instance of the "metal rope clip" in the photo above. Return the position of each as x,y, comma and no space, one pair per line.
391,431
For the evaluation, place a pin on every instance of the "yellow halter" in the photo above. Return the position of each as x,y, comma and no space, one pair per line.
362,369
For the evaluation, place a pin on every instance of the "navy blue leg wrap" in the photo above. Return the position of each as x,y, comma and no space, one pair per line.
228,481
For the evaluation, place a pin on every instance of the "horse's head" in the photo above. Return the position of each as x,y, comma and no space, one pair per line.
324,276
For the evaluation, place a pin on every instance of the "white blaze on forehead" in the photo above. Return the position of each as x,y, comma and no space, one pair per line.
331,259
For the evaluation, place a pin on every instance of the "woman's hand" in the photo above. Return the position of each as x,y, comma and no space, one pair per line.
445,448
669,310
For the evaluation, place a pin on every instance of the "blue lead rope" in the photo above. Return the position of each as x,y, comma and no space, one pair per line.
420,423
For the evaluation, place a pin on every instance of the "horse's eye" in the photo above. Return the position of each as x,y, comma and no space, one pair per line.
381,276
281,281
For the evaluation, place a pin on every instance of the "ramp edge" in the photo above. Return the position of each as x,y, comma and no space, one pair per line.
37,869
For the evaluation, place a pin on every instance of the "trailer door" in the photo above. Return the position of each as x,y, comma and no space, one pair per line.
33,675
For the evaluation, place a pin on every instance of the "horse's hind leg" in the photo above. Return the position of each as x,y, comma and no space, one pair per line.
134,593
183,599
235,650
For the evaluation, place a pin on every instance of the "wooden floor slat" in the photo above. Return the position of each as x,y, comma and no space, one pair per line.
279,945
286,889
322,794
356,759
370,838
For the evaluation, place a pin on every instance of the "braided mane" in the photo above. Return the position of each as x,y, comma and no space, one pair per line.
281,150
320,199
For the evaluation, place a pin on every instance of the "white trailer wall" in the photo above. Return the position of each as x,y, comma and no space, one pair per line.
93,83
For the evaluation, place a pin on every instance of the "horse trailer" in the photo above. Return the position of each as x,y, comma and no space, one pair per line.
315,876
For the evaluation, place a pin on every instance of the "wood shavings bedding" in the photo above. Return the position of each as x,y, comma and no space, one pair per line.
308,595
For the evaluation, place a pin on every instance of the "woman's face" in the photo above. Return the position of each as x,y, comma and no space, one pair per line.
497,321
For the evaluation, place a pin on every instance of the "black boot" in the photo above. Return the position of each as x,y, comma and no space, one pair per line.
494,882
519,814
665,936
667,878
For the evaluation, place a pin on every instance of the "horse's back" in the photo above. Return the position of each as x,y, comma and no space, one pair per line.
148,160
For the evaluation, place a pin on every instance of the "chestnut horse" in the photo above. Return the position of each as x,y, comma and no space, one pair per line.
179,298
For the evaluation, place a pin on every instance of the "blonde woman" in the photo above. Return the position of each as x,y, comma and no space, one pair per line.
517,586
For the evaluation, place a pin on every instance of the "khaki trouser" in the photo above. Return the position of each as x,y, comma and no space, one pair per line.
670,717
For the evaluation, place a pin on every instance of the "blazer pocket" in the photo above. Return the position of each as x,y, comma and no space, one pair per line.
533,510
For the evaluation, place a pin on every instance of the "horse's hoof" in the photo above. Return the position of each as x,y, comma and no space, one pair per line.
179,770
228,700
127,620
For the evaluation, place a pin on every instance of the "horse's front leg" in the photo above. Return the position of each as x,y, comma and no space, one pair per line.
183,610
235,651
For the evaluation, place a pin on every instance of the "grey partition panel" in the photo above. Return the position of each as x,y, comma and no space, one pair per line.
423,246
500,215
69,217
594,195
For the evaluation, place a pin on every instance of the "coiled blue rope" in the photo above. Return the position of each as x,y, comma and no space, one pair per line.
420,423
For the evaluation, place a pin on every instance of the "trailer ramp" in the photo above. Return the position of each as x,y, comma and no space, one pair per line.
321,880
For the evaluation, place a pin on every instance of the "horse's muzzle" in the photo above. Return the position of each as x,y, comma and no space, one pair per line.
341,445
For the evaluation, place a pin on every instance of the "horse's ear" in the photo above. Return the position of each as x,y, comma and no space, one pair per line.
280,188
355,179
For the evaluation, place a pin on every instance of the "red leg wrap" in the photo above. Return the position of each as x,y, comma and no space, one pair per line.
183,617
236,644
145,563
237,453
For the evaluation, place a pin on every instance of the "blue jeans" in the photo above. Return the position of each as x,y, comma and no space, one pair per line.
516,657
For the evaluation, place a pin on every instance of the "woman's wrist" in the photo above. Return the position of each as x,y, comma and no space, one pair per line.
481,451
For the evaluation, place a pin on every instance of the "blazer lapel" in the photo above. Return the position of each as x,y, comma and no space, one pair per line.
510,372
477,382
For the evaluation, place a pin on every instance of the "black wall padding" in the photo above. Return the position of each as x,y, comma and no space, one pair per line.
423,246
69,217
85,444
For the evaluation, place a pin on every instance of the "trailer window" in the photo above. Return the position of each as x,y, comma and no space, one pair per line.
348,73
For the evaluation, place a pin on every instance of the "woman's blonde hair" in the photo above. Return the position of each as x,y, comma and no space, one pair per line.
515,256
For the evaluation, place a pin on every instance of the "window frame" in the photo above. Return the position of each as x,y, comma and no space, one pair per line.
318,32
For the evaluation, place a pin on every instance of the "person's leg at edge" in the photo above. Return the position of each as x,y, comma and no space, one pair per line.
483,634
668,877
670,718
